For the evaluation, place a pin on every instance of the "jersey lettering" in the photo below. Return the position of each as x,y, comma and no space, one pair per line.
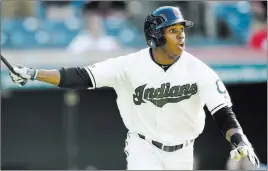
220,87
163,95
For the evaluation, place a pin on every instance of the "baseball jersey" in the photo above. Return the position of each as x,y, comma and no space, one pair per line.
165,106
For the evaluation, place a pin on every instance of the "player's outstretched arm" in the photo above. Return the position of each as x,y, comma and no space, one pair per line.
73,77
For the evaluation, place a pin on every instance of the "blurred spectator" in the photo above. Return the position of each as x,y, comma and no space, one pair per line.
56,3
233,20
55,10
16,9
258,38
94,37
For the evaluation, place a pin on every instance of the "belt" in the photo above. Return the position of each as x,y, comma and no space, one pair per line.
167,148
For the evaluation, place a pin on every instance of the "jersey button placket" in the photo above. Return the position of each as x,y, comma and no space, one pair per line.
161,111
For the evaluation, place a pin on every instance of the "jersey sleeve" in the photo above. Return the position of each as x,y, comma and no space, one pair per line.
107,73
213,92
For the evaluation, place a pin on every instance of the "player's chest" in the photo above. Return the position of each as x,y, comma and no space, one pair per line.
162,87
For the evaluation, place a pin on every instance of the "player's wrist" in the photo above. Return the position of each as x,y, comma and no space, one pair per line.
239,139
33,73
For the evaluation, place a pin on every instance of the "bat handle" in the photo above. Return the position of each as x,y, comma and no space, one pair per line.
10,67
23,83
24,80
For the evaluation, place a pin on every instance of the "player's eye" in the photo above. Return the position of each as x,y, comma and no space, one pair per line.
172,30
182,29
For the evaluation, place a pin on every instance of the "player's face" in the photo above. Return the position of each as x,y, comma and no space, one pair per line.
175,40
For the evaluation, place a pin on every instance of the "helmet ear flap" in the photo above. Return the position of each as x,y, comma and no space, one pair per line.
151,43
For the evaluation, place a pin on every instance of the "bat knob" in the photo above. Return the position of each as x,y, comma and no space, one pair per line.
23,83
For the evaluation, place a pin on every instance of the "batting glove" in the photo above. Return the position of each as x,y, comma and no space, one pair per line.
244,150
22,74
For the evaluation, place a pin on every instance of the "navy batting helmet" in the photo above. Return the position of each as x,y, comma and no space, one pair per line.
162,17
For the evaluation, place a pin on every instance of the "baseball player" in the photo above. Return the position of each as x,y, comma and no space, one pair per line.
161,91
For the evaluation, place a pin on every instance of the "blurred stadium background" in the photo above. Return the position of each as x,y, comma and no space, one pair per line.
48,128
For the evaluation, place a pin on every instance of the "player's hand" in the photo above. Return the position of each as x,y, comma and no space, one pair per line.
245,151
23,74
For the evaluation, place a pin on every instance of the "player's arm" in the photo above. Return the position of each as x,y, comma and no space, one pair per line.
215,96
71,77
107,73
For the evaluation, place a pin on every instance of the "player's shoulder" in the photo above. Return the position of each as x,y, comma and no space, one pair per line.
197,66
135,56
139,54
128,60
195,61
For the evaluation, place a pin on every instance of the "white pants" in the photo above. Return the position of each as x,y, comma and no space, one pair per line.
142,155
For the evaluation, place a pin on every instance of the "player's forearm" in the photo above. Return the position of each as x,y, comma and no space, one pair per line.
230,127
49,76
72,77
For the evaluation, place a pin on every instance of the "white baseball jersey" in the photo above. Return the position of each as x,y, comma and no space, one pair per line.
165,106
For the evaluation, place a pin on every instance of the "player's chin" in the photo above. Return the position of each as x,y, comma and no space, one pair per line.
179,50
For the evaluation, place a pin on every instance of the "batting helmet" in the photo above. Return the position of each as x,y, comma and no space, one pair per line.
162,17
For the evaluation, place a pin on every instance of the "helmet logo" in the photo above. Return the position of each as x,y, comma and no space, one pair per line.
177,13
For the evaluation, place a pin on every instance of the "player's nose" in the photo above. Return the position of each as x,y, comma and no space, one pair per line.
180,37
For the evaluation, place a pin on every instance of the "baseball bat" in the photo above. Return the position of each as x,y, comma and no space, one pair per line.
10,67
